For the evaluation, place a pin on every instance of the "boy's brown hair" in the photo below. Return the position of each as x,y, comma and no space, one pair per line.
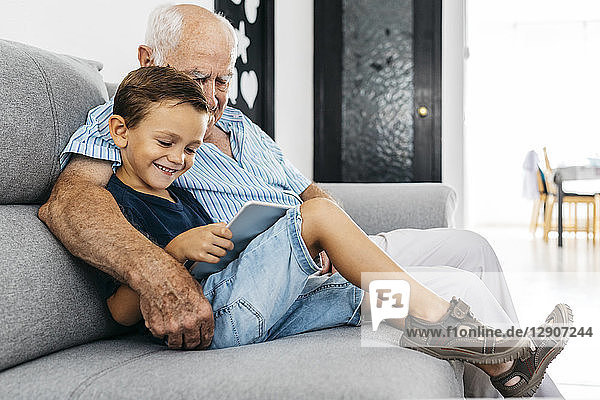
146,86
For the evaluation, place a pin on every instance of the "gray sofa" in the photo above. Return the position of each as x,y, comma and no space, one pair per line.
56,337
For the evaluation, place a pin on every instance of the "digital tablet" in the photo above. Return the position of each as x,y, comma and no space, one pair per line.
251,220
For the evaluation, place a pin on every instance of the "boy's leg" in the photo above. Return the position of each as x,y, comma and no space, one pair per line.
325,302
258,288
329,301
326,227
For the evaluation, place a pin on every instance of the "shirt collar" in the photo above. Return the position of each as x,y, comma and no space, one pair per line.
232,122
230,116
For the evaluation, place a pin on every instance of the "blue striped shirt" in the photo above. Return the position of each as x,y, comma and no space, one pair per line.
222,184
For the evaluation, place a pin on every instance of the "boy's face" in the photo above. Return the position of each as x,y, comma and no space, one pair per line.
161,147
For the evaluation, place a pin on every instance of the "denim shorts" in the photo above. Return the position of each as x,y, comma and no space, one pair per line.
270,291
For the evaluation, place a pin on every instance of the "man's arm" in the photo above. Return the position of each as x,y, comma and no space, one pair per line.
313,191
87,220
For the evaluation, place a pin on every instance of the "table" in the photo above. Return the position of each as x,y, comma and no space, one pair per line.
571,173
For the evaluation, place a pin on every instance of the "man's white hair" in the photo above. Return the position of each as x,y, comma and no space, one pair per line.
233,32
164,30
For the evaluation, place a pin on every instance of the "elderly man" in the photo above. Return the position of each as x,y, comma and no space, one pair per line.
84,216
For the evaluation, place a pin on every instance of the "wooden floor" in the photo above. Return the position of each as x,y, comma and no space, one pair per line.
540,275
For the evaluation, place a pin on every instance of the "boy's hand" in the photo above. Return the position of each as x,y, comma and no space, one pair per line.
206,243
326,265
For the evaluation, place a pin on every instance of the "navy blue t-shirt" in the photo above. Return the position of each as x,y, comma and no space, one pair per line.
158,219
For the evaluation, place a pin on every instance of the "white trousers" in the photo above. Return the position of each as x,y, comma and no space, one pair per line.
461,263
460,249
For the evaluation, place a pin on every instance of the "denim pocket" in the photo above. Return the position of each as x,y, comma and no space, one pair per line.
237,324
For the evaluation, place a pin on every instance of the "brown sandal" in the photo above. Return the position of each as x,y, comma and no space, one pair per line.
443,340
531,370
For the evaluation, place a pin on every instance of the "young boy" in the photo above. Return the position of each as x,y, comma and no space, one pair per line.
160,117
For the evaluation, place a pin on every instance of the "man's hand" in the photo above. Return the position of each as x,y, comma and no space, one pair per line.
206,243
182,314
326,265
314,191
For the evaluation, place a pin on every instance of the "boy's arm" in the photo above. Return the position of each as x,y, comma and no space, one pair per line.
206,243
87,220
124,306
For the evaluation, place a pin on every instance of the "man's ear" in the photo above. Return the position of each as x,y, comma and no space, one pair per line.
118,130
145,56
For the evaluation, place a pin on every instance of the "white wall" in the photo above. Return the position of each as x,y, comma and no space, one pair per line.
453,53
108,31
294,81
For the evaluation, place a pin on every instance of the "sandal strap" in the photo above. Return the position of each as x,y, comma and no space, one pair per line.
504,378
520,368
460,309
500,381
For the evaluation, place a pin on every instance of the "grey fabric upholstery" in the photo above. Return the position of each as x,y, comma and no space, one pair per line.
45,98
382,207
111,89
324,364
55,331
47,299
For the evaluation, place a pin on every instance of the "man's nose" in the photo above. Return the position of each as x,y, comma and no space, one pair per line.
209,92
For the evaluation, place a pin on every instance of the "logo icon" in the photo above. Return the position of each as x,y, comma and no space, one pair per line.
389,299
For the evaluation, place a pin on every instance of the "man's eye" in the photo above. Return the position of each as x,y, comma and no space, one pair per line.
163,143
190,150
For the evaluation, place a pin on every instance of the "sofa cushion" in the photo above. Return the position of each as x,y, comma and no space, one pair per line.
326,364
45,98
47,299
383,207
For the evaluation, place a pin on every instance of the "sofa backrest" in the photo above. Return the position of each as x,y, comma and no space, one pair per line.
47,298
45,97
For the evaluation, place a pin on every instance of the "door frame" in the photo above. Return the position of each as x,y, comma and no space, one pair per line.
427,80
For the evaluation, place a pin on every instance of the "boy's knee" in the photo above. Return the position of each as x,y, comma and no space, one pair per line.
316,214
318,208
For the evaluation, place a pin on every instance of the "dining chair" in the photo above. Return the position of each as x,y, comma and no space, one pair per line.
539,204
572,200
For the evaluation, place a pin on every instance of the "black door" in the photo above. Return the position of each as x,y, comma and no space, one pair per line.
377,90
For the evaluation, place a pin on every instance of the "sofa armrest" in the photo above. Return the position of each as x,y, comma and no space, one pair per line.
382,207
